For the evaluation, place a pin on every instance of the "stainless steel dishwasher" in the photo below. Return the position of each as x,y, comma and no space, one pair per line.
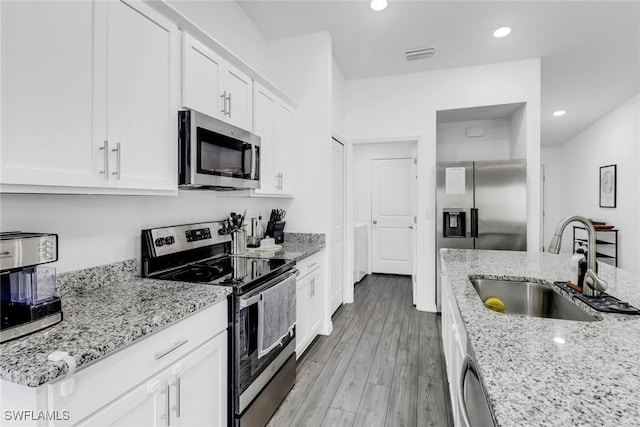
474,406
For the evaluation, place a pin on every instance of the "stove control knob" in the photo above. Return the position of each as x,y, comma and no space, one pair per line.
159,241
169,240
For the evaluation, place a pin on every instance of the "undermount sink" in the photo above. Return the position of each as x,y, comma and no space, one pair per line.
530,299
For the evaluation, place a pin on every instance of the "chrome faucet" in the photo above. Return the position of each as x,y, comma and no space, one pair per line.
593,284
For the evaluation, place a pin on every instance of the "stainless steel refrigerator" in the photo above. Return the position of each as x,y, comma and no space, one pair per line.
481,205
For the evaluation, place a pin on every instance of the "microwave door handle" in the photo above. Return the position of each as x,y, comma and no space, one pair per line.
254,158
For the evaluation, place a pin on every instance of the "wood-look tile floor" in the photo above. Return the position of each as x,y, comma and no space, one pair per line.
381,366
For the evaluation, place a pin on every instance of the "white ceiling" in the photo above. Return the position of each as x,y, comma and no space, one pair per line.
590,50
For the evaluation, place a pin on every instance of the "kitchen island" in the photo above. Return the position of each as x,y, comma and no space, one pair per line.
548,372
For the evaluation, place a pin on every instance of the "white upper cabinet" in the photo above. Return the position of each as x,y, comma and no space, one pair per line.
89,98
142,78
201,78
274,124
284,146
47,121
264,125
239,97
214,87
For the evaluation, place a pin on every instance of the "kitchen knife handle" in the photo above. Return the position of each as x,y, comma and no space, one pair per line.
474,222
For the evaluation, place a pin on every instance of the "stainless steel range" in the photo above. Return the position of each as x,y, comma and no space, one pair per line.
199,253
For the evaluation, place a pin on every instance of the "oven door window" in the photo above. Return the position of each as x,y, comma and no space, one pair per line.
249,366
224,156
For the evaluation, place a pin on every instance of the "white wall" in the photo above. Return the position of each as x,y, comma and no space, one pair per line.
553,161
230,25
97,230
302,67
573,174
454,146
337,99
518,131
396,106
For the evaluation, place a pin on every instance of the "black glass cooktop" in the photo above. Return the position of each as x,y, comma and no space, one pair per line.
242,273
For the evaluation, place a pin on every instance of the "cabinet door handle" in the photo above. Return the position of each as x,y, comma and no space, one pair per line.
167,415
178,398
224,103
118,152
177,407
229,112
178,344
312,265
105,167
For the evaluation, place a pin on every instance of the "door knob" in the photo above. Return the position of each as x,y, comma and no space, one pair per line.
375,221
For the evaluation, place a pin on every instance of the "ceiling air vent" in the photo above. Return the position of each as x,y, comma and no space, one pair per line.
414,54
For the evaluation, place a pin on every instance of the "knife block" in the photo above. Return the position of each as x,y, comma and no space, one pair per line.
275,229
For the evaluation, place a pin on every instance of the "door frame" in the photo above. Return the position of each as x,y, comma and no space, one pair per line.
349,206
346,257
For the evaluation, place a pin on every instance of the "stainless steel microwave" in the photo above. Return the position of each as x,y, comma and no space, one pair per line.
215,155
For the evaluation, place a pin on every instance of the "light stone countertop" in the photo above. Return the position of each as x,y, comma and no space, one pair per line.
104,309
296,246
108,307
593,379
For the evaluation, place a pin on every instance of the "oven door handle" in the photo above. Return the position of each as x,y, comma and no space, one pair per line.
244,303
256,296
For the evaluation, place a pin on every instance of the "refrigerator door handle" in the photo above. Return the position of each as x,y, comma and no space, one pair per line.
474,222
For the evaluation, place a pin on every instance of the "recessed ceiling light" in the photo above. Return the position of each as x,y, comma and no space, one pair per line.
502,32
378,5
559,340
559,113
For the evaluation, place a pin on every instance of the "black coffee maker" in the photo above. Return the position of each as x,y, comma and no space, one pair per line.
27,290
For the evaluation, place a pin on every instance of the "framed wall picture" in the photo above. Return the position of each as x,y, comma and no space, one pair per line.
608,186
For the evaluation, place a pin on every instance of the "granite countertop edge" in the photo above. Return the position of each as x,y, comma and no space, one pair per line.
92,330
531,380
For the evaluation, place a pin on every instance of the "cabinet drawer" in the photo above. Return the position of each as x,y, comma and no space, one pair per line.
310,263
106,379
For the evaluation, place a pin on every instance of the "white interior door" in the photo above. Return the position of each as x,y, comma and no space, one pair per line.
392,206
337,225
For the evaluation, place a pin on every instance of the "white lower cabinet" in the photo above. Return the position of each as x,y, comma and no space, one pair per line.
191,392
454,340
309,299
174,377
